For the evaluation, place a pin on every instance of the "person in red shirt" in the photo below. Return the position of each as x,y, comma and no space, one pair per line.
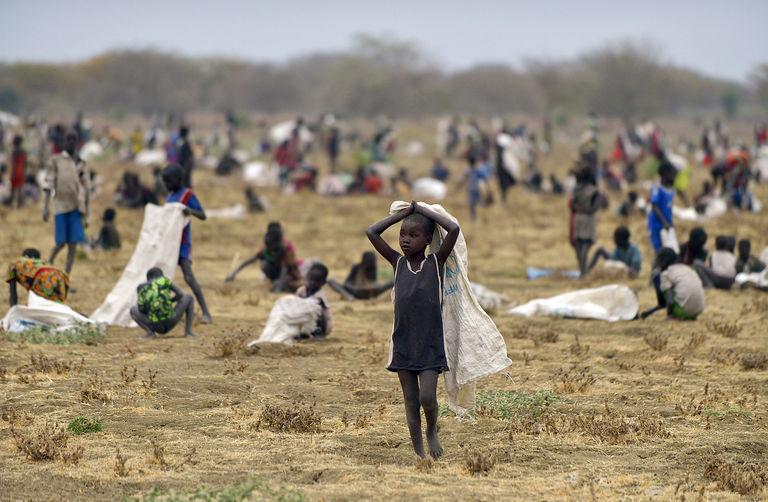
373,183
18,170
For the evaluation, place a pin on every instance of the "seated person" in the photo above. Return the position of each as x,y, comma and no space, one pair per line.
278,261
255,204
109,237
439,171
625,252
720,271
629,206
747,263
678,288
402,184
361,283
313,288
34,275
694,250
132,193
155,312
707,195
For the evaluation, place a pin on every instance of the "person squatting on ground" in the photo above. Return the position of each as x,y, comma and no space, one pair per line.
586,201
34,275
625,252
109,237
418,350
68,182
362,283
155,312
317,276
278,261
678,288
173,179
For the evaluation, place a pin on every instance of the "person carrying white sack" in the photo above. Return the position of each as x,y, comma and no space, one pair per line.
438,325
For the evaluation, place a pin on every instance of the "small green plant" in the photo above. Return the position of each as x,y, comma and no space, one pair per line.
247,490
88,334
506,404
84,425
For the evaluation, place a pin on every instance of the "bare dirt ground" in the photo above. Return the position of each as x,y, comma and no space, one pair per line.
588,410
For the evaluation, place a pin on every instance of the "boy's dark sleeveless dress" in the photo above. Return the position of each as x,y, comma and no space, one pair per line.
417,337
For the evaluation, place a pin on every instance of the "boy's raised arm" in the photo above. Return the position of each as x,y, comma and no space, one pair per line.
449,225
374,234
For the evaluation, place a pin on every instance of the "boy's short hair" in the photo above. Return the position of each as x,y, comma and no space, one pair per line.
665,168
172,172
109,214
273,237
184,131
745,246
154,273
33,253
427,225
665,258
621,234
697,237
17,140
319,268
725,243
274,225
632,195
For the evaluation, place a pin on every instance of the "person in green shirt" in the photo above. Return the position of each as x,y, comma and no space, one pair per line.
155,311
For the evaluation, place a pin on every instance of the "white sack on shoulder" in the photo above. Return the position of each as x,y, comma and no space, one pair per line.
290,317
474,347
490,300
40,311
158,246
608,303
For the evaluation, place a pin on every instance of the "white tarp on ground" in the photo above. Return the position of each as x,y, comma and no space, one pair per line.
154,157
282,132
39,311
260,174
430,189
234,212
157,246
716,208
474,347
608,303
759,279
290,317
91,150
490,300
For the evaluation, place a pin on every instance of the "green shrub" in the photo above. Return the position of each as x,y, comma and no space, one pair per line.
84,425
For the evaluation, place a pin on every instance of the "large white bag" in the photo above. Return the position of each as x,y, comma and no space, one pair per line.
429,188
474,347
669,239
290,317
158,246
608,303
40,311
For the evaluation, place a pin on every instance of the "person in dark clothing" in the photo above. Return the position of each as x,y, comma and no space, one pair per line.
362,281
109,237
186,157
694,250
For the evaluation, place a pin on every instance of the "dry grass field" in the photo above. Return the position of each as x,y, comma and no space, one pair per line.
588,411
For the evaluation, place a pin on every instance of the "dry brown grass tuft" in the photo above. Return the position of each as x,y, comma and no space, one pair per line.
227,345
424,465
149,384
121,468
547,336
727,357
575,380
44,364
696,341
741,477
13,416
94,390
3,374
128,375
656,341
726,329
48,442
234,366
478,463
296,418
610,427
754,361
577,349
362,421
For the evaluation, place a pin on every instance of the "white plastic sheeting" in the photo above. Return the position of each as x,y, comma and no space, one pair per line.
608,303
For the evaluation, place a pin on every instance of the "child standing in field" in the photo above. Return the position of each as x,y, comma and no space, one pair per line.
18,171
173,177
586,201
418,349
662,197
68,182
476,179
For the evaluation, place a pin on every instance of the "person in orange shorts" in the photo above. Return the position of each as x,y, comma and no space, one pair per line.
36,276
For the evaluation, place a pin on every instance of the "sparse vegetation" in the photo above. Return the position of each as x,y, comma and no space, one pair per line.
88,334
84,425
47,442
726,329
754,361
507,404
656,341
241,492
94,389
575,380
744,478
478,463
297,418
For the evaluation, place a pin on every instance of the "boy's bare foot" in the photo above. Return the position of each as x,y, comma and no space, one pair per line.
149,335
190,334
435,448
206,319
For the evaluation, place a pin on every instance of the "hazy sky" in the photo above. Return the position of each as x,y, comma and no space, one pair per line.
722,38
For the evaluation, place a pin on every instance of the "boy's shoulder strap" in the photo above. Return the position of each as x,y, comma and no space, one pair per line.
186,196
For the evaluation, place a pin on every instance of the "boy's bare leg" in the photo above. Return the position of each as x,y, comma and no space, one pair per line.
71,251
142,321
54,252
189,277
428,400
340,289
600,253
409,381
185,306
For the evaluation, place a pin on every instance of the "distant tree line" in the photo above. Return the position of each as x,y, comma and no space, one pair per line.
374,77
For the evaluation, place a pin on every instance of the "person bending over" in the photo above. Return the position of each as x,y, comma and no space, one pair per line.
361,283
155,312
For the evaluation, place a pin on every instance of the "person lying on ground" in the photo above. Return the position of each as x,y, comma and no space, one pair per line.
313,288
748,263
418,354
678,288
155,312
173,177
625,252
109,237
361,283
36,276
278,261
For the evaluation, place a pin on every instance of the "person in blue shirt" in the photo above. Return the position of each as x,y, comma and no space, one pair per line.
173,178
662,197
476,179
439,171
625,252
